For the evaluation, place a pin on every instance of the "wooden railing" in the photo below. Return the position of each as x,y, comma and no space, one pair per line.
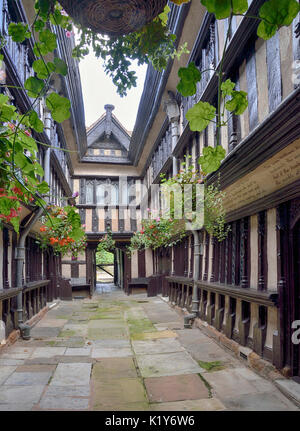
34,300
232,310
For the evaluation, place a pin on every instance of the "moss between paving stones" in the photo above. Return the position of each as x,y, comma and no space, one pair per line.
139,326
211,366
66,333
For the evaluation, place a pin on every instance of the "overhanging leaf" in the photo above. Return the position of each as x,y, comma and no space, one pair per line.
35,122
34,87
222,8
275,14
18,32
189,76
200,115
211,159
239,102
59,107
227,87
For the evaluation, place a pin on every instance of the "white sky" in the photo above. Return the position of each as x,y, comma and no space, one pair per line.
98,90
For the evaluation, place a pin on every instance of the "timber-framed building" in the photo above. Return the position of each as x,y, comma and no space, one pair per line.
248,284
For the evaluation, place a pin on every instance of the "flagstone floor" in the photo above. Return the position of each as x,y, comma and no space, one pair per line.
118,352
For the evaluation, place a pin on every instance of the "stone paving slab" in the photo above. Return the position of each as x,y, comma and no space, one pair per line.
175,388
78,329
47,332
264,401
16,395
16,407
169,325
163,345
35,368
59,403
108,333
111,343
70,342
15,352
71,374
9,361
124,392
129,407
168,364
78,351
210,404
154,335
68,391
47,352
230,383
51,323
114,368
289,388
122,352
5,372
28,378
106,323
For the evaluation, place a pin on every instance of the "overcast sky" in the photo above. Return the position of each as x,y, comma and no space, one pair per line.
98,90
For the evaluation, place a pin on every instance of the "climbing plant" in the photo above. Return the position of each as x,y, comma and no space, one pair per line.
272,15
210,200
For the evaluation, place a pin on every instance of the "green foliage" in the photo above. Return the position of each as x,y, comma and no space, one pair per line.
189,76
35,122
213,202
211,159
200,115
46,44
275,14
34,87
104,257
227,87
214,212
153,43
239,102
18,32
223,8
62,231
59,107
157,232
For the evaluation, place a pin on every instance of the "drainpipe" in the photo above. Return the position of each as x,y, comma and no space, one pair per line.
20,250
189,318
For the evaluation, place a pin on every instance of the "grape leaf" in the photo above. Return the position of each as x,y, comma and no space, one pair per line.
41,69
239,102
47,43
189,76
35,122
59,107
200,115
34,86
60,67
19,32
222,8
211,159
227,87
275,14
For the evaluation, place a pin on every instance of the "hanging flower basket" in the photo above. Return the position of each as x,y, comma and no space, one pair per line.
113,17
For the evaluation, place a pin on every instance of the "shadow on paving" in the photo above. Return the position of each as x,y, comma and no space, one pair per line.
118,352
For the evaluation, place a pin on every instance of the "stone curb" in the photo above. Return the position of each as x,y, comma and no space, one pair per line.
15,334
245,354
